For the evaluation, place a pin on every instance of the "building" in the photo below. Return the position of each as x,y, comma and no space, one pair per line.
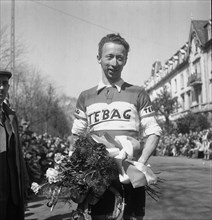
187,74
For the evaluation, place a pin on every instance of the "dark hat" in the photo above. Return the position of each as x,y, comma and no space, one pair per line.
5,73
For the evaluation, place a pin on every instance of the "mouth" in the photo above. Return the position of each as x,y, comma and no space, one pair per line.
2,96
112,70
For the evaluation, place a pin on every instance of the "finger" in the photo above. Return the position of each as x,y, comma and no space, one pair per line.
130,161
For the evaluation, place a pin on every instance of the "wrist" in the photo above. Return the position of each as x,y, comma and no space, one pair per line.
141,160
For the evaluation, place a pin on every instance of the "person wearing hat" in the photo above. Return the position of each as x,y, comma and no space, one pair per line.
13,176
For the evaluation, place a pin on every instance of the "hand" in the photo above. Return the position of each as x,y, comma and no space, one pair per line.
150,176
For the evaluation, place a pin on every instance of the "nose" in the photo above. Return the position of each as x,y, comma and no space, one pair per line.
114,62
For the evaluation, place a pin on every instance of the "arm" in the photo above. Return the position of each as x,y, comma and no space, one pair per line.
79,128
151,129
149,147
80,123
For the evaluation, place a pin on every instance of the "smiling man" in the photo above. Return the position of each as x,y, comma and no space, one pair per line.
12,175
119,109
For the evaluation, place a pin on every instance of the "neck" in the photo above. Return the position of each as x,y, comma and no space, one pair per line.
106,81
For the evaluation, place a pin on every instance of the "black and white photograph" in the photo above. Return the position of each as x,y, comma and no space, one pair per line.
105,110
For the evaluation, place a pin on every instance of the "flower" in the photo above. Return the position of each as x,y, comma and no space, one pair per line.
35,187
52,175
58,158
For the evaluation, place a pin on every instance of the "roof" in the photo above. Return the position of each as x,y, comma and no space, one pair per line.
199,26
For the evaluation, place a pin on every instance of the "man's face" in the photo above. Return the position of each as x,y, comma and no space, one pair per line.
113,59
4,86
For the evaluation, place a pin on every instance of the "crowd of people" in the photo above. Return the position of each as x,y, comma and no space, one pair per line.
191,145
39,150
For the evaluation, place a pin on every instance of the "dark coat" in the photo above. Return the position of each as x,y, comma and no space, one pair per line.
16,164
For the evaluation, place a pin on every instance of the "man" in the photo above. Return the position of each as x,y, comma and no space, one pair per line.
12,176
118,108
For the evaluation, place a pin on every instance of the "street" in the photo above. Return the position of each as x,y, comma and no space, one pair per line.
186,193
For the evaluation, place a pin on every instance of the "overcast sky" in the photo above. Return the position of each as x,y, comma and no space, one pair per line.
61,37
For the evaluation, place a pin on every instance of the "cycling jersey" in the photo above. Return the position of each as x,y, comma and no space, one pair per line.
117,109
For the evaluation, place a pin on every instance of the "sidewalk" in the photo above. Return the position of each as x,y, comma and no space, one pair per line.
186,193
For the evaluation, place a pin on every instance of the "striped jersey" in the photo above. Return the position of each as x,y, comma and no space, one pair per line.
118,110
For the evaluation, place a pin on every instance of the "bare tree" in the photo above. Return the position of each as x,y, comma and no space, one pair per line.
5,49
33,97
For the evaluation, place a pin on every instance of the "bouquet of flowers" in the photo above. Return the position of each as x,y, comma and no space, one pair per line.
88,172
83,176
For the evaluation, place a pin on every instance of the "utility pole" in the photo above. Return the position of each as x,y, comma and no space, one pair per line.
0,33
12,46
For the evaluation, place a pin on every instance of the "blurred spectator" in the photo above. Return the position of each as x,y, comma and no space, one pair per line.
192,145
208,147
39,151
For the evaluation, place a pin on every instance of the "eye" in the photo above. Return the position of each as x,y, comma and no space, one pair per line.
120,58
109,57
4,83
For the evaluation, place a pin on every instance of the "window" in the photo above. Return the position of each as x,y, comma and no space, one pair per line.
175,85
209,30
196,96
197,69
183,101
196,46
182,80
189,98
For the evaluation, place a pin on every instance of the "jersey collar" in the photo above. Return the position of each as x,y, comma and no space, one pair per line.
102,85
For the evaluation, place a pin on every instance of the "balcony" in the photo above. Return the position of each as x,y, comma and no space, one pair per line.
194,80
204,107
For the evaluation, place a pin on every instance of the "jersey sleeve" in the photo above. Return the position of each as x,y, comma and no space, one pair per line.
147,115
80,122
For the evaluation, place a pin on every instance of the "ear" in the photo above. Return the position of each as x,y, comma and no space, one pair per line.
125,61
125,58
98,58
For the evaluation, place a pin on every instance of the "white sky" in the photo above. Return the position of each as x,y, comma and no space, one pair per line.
61,37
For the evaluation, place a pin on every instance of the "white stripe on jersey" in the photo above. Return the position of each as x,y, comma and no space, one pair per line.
147,111
115,116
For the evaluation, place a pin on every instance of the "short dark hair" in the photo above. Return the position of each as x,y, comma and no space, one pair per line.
115,38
